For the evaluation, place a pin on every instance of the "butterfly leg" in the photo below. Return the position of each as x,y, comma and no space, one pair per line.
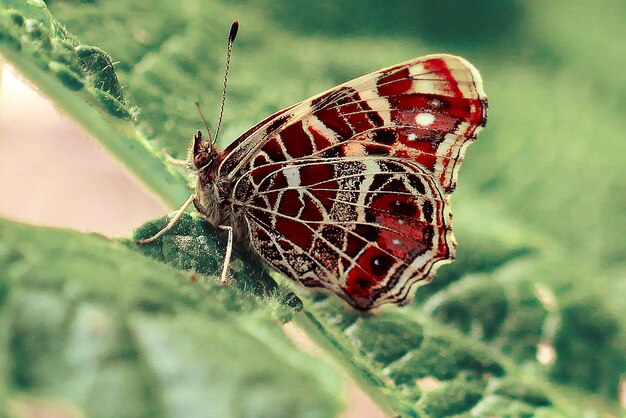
170,224
229,253
229,246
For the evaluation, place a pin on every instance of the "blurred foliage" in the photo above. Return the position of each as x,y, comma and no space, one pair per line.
90,328
541,203
483,24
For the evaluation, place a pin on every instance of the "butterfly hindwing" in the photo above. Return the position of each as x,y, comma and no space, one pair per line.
353,226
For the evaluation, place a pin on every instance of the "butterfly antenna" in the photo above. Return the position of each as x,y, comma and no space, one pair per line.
206,125
231,41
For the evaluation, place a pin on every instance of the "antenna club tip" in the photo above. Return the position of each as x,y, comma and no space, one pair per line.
233,31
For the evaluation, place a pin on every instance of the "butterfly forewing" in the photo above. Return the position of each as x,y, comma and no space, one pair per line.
349,190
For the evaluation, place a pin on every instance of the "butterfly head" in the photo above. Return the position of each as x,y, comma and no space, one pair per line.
203,154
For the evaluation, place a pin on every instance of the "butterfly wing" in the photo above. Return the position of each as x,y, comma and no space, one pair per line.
364,228
427,109
349,190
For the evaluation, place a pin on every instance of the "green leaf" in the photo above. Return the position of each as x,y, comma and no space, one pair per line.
90,324
529,321
412,351
192,245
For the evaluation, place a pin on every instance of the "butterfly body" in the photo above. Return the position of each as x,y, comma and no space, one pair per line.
349,190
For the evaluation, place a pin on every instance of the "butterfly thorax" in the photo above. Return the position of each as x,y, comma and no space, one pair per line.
213,192
204,158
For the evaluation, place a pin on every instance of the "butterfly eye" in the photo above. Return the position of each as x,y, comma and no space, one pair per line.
202,159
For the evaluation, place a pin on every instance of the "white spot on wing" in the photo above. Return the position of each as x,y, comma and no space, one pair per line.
424,119
293,176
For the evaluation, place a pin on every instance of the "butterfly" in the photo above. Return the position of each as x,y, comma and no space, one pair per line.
349,190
